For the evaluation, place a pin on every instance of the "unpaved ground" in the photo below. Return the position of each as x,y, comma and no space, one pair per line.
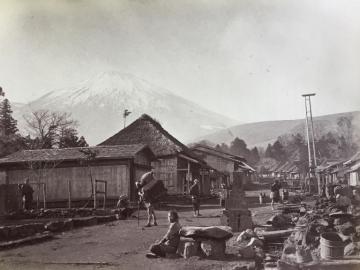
117,245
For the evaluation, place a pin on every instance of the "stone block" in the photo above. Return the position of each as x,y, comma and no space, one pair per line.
247,252
103,219
38,227
26,230
68,225
4,233
54,226
191,249
13,232
81,222
214,249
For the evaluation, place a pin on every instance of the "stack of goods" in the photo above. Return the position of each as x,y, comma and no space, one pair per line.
249,246
208,241
154,190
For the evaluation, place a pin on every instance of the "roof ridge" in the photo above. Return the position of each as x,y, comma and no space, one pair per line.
219,151
155,124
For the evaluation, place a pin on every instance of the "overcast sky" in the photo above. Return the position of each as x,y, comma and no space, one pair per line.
249,60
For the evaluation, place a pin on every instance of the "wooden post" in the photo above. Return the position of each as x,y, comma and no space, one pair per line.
69,194
38,196
188,179
105,190
202,181
44,194
94,190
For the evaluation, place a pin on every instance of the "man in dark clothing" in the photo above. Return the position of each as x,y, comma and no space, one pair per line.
275,193
26,194
195,197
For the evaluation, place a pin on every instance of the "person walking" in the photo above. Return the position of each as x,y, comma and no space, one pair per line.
195,197
145,198
275,193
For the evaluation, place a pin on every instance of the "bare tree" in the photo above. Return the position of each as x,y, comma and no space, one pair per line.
90,157
47,127
39,171
346,130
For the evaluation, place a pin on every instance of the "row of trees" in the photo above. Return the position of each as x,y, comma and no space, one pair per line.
337,144
46,130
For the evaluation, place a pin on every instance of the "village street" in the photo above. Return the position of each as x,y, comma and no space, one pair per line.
116,245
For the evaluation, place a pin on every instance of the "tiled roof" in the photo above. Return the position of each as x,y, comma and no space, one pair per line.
79,153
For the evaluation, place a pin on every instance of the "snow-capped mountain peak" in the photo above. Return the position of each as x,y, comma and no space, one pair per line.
98,105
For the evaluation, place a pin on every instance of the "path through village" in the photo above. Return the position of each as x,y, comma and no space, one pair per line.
118,245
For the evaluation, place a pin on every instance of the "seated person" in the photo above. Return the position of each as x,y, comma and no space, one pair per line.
170,242
123,207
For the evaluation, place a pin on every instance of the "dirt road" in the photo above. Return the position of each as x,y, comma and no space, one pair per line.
117,245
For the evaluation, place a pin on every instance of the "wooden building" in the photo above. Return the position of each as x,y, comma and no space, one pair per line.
329,172
58,172
225,163
175,164
352,171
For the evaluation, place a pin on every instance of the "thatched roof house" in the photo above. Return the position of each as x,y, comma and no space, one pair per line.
176,165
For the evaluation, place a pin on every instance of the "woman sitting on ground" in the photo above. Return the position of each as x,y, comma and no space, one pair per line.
170,242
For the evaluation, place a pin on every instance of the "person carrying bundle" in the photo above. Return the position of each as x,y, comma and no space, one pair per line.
145,198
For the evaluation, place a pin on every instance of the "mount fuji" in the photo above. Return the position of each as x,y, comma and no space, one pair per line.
98,105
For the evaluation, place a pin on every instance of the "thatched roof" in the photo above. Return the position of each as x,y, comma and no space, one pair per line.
79,153
147,131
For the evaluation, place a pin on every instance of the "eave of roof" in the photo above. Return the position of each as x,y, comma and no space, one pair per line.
69,154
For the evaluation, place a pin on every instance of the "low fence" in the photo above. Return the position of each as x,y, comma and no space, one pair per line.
11,197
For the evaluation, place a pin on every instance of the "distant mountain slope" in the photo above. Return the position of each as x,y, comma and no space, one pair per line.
98,106
262,133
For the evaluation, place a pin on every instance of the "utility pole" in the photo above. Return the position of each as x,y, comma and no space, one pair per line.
125,114
310,137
